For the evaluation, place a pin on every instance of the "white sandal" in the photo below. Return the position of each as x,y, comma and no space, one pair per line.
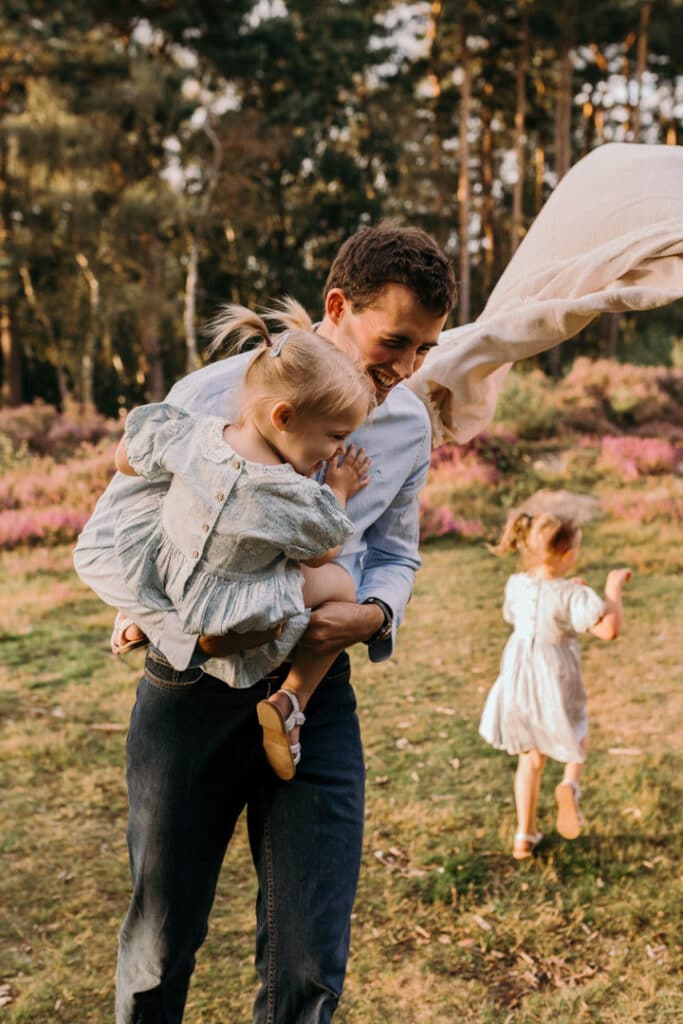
569,816
282,756
530,844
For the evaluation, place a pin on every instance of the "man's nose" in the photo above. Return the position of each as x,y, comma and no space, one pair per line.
406,364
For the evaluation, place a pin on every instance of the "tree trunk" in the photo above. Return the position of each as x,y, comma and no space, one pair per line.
11,392
487,203
520,136
464,180
609,329
563,124
192,360
150,327
641,65
434,75
90,346
52,348
539,177
563,106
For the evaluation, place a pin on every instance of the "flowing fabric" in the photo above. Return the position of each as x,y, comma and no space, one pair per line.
608,240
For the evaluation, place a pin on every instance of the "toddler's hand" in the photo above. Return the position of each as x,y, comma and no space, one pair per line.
616,579
350,473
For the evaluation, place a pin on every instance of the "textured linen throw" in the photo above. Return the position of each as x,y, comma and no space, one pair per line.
608,240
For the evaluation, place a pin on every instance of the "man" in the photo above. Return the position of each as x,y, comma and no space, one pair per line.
194,751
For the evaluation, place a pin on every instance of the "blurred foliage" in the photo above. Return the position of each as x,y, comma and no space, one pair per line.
159,158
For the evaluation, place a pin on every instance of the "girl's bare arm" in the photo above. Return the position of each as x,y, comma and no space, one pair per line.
609,626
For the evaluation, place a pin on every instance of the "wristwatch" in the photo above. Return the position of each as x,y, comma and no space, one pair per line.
384,631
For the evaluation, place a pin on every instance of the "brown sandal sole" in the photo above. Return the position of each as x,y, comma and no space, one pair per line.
276,740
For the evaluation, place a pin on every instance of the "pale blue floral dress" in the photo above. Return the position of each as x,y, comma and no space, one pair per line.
538,701
222,544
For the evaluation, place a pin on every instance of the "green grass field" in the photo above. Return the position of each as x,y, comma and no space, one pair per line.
447,926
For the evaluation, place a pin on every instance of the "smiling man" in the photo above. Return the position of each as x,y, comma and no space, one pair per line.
195,758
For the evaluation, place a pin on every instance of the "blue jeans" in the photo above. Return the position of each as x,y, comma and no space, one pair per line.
194,762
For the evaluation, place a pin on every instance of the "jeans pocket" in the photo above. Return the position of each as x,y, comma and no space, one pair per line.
160,673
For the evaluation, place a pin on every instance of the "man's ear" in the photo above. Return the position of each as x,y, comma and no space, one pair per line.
281,415
336,304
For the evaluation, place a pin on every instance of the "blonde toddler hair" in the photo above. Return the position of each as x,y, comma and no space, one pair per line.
536,538
296,365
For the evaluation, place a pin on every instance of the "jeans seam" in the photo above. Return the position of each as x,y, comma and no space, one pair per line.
172,684
270,919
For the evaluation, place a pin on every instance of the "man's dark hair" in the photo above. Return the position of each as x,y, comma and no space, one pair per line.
385,254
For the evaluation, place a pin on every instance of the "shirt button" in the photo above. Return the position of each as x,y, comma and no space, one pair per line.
220,496
195,554
235,462
205,527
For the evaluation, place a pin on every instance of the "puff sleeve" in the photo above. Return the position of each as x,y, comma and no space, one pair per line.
307,519
585,608
153,432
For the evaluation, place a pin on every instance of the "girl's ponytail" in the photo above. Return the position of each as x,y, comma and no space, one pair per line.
515,534
536,537
239,321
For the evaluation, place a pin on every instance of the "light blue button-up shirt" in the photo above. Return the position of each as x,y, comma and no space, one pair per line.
381,556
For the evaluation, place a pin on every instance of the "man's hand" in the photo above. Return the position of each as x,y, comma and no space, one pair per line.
233,643
339,624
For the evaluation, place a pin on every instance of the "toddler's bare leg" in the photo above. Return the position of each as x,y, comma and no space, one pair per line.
527,789
326,583
569,817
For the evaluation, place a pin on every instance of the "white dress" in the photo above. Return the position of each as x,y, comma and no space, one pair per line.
538,701
222,545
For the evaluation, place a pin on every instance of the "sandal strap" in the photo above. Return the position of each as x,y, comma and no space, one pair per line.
573,784
524,837
297,717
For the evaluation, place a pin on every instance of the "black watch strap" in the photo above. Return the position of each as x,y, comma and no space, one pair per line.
384,631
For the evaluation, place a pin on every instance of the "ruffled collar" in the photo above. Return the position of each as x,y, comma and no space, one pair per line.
213,446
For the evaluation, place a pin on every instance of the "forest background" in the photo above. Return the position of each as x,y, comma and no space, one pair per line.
159,158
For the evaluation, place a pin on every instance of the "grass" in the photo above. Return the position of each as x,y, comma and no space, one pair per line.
447,926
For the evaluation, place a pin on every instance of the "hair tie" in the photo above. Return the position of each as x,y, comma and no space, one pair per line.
276,349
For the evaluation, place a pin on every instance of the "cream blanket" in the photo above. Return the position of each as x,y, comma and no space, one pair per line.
609,239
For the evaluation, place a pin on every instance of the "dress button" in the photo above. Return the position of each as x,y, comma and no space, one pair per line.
235,462
220,496
195,554
205,527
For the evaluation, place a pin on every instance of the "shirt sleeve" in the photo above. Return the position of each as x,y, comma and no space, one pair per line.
585,607
392,558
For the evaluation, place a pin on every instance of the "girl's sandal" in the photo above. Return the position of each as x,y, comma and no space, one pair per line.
282,756
118,642
569,817
525,844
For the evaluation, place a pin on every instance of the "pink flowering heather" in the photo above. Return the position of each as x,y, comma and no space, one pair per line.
439,521
45,502
661,505
633,457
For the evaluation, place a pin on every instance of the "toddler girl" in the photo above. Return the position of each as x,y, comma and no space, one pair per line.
243,538
537,706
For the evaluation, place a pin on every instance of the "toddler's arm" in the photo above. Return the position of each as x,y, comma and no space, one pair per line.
609,626
345,478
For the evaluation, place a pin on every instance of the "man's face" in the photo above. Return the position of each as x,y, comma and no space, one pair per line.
392,337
